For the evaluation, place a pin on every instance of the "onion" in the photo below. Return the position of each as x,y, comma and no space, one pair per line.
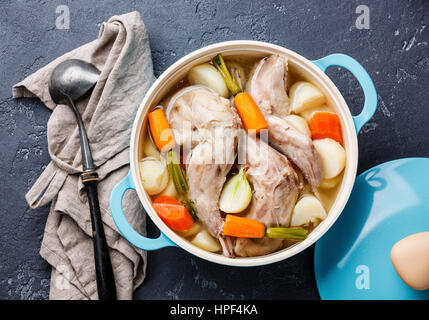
236,194
205,74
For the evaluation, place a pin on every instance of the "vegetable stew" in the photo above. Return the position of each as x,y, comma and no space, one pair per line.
243,157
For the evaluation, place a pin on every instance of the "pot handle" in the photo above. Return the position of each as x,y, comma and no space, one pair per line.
122,223
345,61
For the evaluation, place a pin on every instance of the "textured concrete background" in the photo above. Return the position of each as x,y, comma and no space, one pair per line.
394,51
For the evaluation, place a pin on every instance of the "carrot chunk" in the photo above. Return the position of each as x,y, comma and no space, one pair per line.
173,213
243,227
326,125
250,114
161,131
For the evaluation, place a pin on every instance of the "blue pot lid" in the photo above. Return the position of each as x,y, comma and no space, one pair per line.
388,203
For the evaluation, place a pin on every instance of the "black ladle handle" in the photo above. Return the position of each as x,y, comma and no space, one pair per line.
103,265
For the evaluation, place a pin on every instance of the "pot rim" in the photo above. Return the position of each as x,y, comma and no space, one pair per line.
317,76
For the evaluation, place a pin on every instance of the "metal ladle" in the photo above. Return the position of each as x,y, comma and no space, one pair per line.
70,81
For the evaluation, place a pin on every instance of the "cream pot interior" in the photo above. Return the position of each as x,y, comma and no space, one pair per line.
255,49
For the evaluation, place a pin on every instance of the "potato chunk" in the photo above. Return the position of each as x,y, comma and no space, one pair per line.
333,157
304,95
194,230
299,123
149,148
205,241
330,183
308,114
170,190
307,210
154,175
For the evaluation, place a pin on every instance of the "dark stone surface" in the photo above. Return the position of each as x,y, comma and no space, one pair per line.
394,51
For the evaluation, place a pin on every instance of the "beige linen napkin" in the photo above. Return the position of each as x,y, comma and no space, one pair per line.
123,55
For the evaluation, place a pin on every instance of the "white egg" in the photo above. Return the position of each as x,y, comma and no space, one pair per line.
410,258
